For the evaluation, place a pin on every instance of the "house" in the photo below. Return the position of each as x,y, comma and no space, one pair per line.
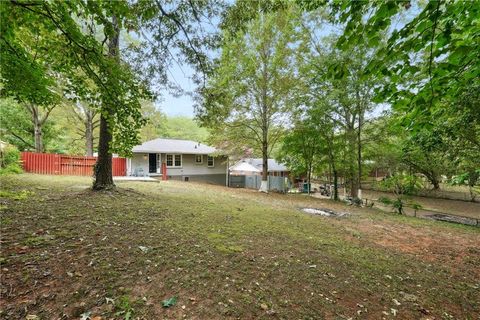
254,166
177,159
247,173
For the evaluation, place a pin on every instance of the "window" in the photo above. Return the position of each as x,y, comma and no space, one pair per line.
178,160
199,159
159,162
174,160
210,161
169,160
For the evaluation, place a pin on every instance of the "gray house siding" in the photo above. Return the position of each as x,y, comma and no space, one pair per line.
139,165
278,184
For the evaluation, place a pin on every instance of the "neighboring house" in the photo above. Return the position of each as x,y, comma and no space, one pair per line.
180,159
247,173
254,166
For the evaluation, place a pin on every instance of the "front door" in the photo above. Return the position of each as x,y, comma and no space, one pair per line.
152,162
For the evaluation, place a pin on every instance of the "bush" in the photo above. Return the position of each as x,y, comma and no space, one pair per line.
10,160
401,184
399,203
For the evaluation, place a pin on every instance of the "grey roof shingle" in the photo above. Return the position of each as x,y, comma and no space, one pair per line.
161,145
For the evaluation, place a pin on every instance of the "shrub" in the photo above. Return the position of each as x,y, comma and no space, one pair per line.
10,160
401,184
399,203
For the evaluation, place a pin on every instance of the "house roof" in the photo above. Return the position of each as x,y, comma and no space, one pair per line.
257,163
161,145
244,166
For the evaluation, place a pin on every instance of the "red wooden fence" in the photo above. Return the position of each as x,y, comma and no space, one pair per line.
49,163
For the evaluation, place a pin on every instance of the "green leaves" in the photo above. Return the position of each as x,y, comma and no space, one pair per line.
250,94
437,48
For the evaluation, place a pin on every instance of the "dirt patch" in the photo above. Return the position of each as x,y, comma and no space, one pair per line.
459,251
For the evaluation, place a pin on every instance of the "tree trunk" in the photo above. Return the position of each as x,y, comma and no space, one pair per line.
353,176
264,106
38,135
103,167
473,177
359,148
37,128
309,176
335,184
264,184
435,182
351,139
89,132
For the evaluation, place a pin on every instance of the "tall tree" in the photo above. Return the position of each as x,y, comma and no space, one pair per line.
103,167
251,92
349,98
69,48
156,122
429,57
16,126
302,148
163,33
86,116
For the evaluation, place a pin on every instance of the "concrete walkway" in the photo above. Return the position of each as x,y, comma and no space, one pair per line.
131,178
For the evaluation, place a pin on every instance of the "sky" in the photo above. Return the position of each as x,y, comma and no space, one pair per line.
183,105
180,75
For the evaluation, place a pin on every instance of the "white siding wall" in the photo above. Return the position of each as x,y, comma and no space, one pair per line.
138,162
189,167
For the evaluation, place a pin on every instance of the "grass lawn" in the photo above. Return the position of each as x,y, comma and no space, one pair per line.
224,254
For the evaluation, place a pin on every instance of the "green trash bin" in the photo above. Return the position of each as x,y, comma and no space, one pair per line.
306,187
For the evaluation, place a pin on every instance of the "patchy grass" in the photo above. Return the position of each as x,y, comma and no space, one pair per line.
225,254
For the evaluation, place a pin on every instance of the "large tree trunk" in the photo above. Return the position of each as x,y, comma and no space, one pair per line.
103,167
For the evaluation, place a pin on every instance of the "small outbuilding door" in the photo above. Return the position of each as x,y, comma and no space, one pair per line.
152,162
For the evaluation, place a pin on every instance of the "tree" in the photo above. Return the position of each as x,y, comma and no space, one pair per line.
251,92
182,127
16,127
384,140
348,99
425,153
71,45
15,124
86,115
68,49
301,149
156,123
428,58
